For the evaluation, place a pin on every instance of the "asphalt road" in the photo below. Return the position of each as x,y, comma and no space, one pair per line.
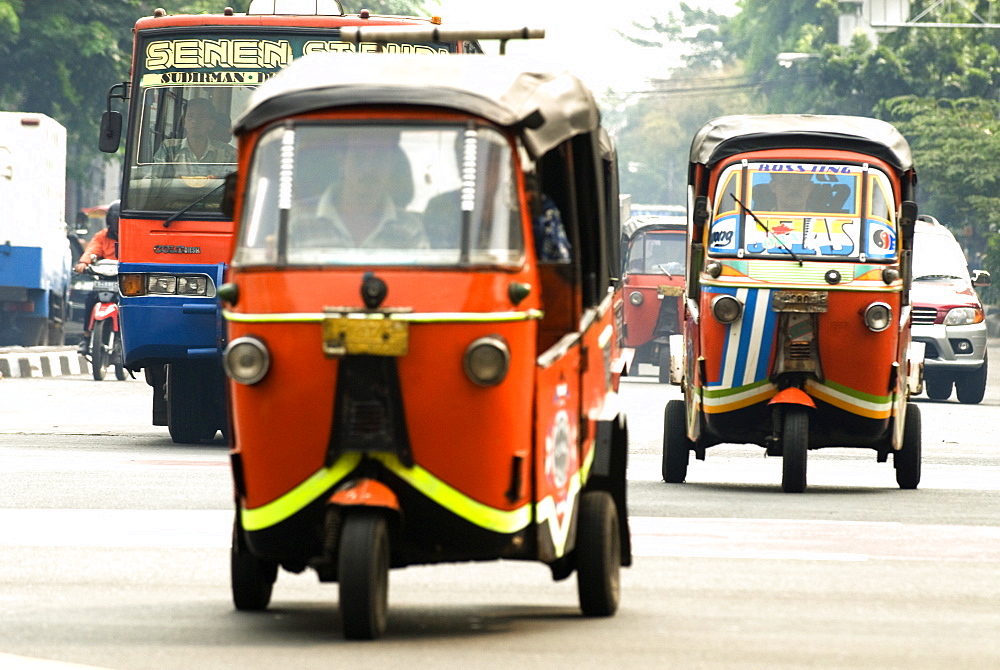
114,554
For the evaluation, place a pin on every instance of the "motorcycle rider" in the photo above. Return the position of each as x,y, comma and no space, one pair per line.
103,245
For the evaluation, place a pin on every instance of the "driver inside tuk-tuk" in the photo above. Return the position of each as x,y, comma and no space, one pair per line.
365,205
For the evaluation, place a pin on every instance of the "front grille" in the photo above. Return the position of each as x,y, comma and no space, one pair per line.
799,350
924,316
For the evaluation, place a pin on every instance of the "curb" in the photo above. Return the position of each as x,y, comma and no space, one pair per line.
21,362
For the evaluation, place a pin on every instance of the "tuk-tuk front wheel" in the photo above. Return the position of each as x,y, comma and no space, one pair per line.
363,573
795,445
598,555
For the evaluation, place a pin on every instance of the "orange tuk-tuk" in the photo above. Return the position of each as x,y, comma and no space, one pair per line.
655,253
411,380
797,313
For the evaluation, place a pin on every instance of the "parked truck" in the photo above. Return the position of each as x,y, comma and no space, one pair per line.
35,257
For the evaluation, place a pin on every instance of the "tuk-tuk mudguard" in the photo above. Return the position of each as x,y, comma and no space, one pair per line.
792,396
365,493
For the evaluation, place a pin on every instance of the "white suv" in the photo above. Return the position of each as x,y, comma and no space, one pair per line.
947,314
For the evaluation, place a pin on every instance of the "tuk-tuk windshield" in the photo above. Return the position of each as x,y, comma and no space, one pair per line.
326,193
813,210
657,252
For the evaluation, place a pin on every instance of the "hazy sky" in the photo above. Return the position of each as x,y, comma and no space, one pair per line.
581,39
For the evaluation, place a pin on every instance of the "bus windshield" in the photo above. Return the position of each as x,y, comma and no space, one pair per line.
189,88
804,210
393,194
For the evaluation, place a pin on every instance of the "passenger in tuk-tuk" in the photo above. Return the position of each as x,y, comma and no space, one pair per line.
551,242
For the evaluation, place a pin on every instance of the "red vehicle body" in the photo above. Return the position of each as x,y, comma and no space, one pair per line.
174,239
439,393
797,314
654,289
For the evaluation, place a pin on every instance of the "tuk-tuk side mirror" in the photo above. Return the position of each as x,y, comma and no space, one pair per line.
111,131
701,213
228,204
907,222
981,278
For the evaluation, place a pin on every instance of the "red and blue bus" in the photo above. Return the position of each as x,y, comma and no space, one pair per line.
191,75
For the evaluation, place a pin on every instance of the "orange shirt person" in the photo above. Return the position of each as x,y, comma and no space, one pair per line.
104,243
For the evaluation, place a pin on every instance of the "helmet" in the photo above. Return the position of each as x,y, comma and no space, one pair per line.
111,218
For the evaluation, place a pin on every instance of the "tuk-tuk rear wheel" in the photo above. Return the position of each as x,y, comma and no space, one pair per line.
598,555
795,445
907,459
676,446
363,573
252,580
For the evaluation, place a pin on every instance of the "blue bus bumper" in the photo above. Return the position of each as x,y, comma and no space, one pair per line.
168,328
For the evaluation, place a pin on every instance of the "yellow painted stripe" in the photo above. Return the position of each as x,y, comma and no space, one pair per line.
300,497
453,500
428,317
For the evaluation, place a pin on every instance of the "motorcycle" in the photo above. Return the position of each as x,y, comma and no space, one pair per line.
105,346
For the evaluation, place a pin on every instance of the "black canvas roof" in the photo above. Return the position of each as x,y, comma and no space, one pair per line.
548,105
729,135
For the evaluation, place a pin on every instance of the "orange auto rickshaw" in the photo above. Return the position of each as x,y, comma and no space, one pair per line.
415,382
797,313
654,288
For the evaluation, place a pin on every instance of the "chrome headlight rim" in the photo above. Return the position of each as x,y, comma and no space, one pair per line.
727,308
251,345
482,372
878,317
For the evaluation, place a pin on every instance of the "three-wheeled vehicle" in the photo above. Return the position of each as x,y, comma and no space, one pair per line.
410,381
797,315
654,287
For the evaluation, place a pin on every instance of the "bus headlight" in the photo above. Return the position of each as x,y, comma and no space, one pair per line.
246,360
726,308
487,360
878,317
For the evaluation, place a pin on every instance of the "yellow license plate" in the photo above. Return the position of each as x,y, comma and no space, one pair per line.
807,302
672,291
346,336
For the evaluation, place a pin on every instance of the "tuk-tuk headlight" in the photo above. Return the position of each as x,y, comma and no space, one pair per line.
635,298
487,360
246,360
878,317
726,308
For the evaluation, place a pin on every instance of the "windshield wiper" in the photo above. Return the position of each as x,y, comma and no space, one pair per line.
766,229
176,215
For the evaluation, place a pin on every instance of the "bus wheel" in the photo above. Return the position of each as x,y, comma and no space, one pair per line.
795,444
363,573
907,459
598,555
190,417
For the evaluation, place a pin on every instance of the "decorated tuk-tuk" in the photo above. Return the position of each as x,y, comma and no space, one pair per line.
655,253
424,315
797,314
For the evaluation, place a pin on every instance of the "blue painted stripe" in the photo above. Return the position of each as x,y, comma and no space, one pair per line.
767,337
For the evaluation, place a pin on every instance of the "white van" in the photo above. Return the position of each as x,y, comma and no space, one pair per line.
948,316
